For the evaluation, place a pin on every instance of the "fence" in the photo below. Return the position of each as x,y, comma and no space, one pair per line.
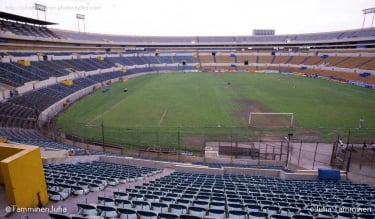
308,148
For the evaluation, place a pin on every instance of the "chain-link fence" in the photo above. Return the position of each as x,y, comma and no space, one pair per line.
305,148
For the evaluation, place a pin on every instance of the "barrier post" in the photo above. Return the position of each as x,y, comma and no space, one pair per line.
102,126
316,148
299,155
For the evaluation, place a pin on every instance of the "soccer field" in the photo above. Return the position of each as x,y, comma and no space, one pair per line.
198,102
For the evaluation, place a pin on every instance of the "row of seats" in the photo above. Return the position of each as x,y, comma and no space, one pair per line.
187,195
26,29
34,137
22,111
347,34
250,193
16,75
66,179
362,62
221,165
160,211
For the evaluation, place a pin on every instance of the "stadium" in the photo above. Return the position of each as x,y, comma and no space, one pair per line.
266,126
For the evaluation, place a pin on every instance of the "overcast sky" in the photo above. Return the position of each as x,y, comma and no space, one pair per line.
198,17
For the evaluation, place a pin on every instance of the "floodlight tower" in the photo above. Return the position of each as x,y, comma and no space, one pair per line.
81,17
39,7
368,11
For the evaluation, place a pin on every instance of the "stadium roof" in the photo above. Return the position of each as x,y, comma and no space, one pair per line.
14,17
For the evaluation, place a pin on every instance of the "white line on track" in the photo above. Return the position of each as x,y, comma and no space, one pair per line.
89,123
162,117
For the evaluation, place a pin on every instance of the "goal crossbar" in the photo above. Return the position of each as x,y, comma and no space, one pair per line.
260,113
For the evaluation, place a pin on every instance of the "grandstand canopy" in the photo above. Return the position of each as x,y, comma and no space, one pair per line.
18,18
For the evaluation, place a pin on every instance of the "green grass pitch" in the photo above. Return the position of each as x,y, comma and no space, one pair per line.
211,101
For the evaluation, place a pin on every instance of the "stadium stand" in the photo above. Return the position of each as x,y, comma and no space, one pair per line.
187,195
34,88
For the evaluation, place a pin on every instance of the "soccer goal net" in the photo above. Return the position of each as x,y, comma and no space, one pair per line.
264,120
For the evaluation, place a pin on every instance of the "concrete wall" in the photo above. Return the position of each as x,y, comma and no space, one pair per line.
45,83
190,168
54,109
29,86
70,160
4,94
23,175
361,179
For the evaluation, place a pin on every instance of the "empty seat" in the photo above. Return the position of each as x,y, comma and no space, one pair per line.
147,214
83,188
279,216
237,214
302,217
289,211
141,205
57,196
326,214
168,216
202,204
136,196
250,201
344,215
218,199
95,187
121,203
234,200
106,201
271,210
113,181
58,216
197,211
87,210
258,215
125,213
217,213
305,212
107,211
186,216
167,200
203,198
251,208
235,206
159,207
121,195
366,216
178,208
185,202
151,198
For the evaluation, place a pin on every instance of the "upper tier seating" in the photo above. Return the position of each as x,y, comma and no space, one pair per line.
312,37
26,30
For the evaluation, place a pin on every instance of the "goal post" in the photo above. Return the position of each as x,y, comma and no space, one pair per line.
252,114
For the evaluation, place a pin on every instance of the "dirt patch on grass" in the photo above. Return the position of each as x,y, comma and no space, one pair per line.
261,121
245,106
194,142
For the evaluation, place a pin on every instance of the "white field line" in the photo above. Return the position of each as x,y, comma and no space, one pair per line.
162,117
89,123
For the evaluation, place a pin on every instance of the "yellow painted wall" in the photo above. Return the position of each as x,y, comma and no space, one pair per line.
3,139
24,62
4,153
23,175
67,82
